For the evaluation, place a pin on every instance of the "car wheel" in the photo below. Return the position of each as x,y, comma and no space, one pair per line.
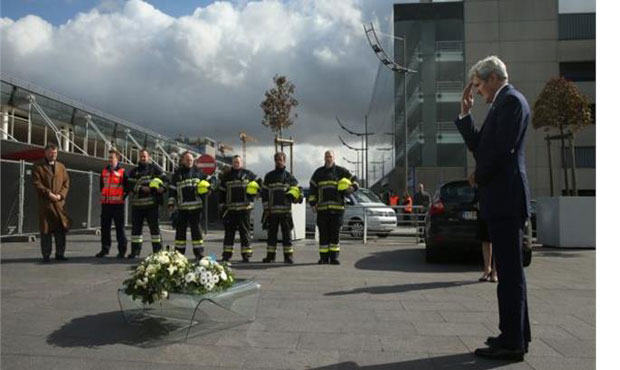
356,228
383,235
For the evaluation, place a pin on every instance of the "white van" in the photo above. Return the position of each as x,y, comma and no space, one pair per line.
381,218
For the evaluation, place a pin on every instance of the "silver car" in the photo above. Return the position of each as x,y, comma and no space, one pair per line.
381,218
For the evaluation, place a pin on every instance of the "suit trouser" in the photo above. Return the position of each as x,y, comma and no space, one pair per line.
114,212
138,214
514,324
232,222
285,222
46,242
329,223
189,218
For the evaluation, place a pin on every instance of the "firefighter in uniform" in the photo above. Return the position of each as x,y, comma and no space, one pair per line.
237,191
113,187
147,183
279,190
188,188
328,186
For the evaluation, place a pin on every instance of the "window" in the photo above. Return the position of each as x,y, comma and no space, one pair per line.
578,71
577,26
585,157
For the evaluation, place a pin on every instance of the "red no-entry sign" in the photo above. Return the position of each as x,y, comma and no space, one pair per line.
206,163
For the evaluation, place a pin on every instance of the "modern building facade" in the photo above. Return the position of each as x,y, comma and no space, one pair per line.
444,40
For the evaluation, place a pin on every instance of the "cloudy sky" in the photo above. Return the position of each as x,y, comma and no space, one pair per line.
201,67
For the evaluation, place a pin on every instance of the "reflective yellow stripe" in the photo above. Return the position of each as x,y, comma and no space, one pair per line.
323,250
197,242
228,248
180,242
156,238
328,183
334,248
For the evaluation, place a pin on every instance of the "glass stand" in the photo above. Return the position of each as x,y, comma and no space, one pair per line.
184,316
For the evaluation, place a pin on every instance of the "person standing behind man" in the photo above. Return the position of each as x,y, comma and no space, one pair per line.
147,183
113,185
237,191
328,186
51,181
499,151
278,192
188,189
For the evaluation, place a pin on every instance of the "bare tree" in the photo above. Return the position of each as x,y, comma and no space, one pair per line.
562,106
277,106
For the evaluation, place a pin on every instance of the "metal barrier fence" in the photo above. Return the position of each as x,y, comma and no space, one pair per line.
410,224
20,209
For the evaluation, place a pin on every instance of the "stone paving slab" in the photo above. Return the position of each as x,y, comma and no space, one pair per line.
383,308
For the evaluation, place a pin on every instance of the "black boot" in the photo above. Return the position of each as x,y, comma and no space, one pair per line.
226,256
245,257
288,258
324,259
271,257
333,258
103,252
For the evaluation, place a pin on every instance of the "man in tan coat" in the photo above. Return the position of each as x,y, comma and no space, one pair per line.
51,180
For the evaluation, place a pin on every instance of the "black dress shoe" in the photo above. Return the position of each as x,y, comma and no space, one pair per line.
289,260
245,259
61,258
499,353
132,256
494,342
323,261
120,255
46,259
102,253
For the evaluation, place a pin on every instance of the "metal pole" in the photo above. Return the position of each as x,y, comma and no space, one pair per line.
30,122
563,157
20,217
365,227
90,199
405,111
550,164
366,136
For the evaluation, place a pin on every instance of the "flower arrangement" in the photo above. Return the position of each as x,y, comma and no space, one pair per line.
167,272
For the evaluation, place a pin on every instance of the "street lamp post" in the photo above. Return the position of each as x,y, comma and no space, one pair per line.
364,148
395,67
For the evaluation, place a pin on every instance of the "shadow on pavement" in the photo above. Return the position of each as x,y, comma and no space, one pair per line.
265,266
408,260
90,260
108,328
459,361
387,289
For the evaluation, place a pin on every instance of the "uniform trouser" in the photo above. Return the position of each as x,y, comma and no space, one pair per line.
189,218
232,222
46,243
329,223
514,324
285,222
138,214
114,212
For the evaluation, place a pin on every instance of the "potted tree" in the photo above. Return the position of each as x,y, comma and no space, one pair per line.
569,220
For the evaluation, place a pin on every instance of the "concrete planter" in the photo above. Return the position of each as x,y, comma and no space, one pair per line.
567,222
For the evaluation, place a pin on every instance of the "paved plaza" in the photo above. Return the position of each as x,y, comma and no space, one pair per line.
383,308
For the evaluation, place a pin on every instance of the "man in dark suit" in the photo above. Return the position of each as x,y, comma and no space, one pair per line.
499,150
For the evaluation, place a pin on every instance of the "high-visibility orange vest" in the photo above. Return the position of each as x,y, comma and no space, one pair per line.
112,191
408,205
394,200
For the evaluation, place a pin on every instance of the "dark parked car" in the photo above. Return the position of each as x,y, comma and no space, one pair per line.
452,224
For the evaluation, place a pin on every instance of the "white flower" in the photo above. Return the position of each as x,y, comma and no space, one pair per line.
209,286
163,259
205,262
172,269
223,276
164,294
190,277
204,279
151,269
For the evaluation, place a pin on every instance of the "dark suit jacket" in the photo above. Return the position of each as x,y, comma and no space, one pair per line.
499,150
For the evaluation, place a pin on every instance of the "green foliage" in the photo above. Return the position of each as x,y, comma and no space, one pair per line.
560,103
278,104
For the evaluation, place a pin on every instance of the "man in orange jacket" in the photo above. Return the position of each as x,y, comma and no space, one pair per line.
112,185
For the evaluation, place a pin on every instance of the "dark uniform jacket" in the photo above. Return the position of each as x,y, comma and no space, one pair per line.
182,188
273,191
232,190
324,188
141,176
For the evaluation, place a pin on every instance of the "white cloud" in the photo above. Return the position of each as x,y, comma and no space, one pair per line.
206,73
